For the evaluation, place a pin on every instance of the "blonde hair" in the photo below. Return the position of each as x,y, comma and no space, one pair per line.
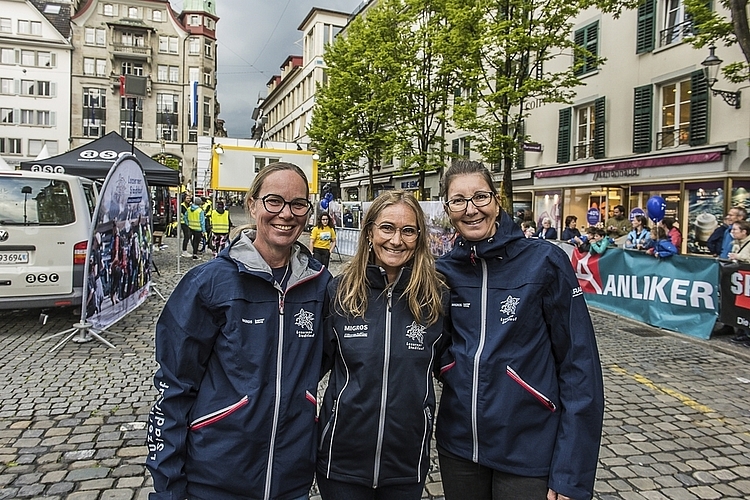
424,290
257,185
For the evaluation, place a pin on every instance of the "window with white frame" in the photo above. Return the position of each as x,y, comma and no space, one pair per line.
133,13
28,87
89,36
10,146
26,27
44,88
163,44
28,58
173,45
131,68
126,127
27,117
675,114
7,86
194,20
7,115
207,78
6,25
193,74
194,46
156,16
44,118
585,123
36,145
209,23
162,73
101,67
101,37
8,56
108,10
677,24
174,74
44,59
89,66
209,49
206,114
94,111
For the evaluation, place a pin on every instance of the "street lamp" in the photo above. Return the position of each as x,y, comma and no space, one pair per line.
711,65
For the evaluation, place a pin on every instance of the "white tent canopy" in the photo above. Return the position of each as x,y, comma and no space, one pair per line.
43,154
4,165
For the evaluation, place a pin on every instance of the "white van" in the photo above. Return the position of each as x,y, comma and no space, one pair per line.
45,223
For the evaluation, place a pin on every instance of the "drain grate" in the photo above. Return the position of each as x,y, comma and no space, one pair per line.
643,332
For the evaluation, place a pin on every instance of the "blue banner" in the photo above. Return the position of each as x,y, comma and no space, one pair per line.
679,293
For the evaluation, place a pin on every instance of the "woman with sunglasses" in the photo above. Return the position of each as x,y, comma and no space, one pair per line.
239,349
522,407
382,340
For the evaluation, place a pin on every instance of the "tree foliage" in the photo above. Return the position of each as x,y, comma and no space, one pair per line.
712,27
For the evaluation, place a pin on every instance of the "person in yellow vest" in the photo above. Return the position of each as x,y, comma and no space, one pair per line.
196,221
187,200
221,223
207,207
323,239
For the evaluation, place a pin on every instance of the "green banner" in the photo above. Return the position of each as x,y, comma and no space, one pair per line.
679,293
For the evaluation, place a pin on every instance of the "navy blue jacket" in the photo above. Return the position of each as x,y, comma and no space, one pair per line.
377,413
526,393
239,368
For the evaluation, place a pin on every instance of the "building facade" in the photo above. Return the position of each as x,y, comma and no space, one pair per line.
174,53
645,124
35,62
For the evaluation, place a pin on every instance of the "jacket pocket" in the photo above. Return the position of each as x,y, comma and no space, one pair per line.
547,402
214,417
327,427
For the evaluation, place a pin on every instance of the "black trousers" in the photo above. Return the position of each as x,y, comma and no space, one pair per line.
323,255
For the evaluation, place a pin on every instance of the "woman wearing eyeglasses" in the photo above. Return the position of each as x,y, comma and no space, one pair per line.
522,407
382,341
239,346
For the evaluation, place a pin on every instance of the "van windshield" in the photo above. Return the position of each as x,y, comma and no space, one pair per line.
25,201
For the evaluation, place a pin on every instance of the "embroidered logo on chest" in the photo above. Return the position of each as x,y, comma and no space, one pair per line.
415,336
304,321
508,308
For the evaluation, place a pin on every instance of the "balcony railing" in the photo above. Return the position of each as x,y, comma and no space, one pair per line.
675,34
135,50
672,137
583,151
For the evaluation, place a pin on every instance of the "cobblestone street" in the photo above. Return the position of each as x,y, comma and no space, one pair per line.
677,422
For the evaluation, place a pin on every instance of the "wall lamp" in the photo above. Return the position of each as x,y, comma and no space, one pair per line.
711,66
219,150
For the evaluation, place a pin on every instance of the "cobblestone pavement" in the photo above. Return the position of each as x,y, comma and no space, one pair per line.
677,422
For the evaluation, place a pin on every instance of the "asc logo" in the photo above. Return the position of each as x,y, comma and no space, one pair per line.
42,278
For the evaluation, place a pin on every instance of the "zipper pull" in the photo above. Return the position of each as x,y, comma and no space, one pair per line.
390,295
472,256
281,303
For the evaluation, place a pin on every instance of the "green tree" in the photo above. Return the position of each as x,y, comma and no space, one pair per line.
509,42
357,104
712,27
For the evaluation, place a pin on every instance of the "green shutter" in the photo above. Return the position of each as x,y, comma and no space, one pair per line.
698,108
586,38
642,118
520,153
646,27
454,147
599,123
467,148
563,136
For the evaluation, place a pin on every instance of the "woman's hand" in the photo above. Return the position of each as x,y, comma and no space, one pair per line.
553,495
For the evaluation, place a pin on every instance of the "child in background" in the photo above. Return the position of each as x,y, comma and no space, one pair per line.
660,245
600,242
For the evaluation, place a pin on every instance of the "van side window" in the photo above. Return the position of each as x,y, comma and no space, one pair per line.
90,193
35,201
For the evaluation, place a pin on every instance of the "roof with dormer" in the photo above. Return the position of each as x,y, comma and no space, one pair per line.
207,6
58,14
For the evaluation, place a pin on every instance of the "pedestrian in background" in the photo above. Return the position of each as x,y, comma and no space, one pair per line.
673,232
222,223
640,235
239,348
735,214
660,245
546,232
599,242
617,225
571,231
196,221
323,239
187,200
522,407
382,341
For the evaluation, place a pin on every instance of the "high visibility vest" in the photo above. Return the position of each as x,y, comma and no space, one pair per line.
207,208
220,222
194,219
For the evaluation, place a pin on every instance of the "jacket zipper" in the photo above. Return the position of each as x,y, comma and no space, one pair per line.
547,402
384,389
328,426
477,357
214,417
425,440
277,399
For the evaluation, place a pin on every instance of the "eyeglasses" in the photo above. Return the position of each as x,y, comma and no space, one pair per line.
408,233
480,199
274,204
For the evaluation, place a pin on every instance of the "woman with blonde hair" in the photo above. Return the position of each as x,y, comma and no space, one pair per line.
382,341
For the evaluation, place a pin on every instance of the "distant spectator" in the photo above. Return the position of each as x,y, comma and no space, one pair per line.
741,234
617,225
735,214
639,237
348,218
673,232
660,245
520,217
546,232
528,229
570,231
599,243
717,237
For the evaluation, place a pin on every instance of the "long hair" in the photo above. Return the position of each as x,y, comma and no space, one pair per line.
423,291
255,188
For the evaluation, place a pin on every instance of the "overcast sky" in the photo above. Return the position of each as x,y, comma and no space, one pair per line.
254,39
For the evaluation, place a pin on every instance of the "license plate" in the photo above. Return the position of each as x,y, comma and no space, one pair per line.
14,258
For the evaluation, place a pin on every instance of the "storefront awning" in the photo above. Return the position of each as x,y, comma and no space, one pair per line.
647,162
